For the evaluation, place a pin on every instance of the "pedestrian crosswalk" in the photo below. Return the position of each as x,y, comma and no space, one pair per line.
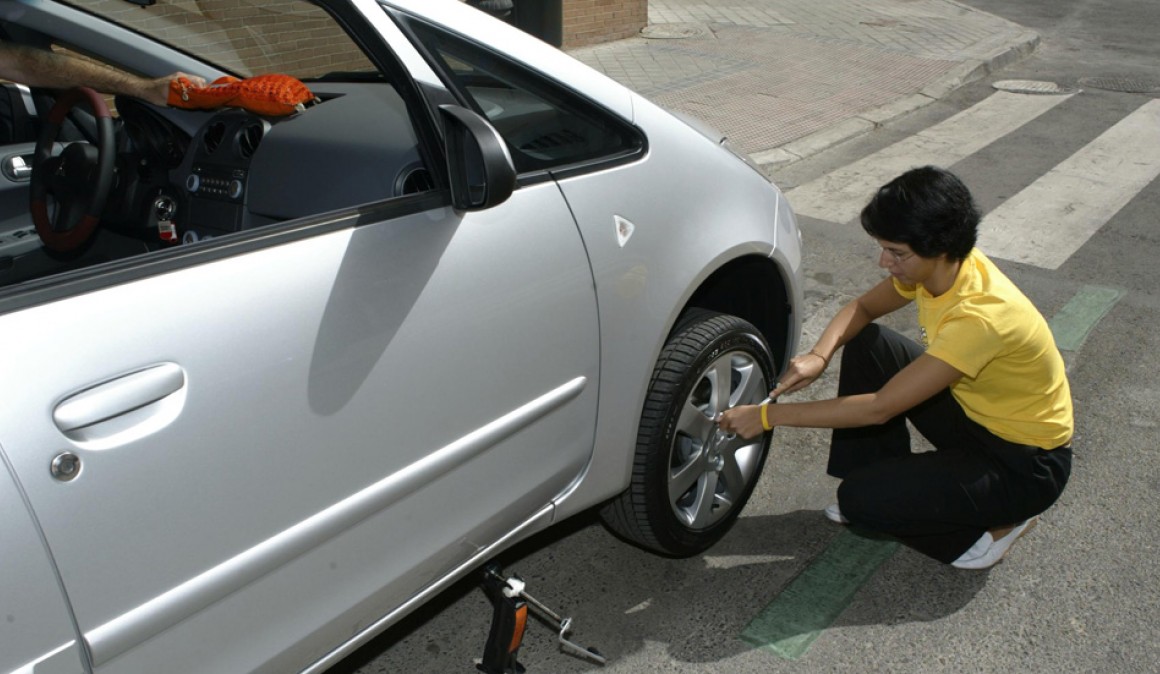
1047,222
1044,224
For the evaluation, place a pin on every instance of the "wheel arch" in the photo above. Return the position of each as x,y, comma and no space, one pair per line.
752,288
758,288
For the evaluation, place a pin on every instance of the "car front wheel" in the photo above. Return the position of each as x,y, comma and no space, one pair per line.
689,479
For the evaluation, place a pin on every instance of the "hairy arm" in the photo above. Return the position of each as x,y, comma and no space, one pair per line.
43,68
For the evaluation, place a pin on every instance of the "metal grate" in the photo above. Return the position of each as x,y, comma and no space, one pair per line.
1126,84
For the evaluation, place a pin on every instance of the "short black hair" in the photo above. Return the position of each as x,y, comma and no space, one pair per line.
928,209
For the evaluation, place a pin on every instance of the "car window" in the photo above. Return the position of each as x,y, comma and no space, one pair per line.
545,125
202,175
245,37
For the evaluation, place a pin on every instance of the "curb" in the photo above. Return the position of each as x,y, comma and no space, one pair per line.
965,73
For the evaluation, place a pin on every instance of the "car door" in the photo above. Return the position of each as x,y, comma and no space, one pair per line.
38,633
245,452
310,424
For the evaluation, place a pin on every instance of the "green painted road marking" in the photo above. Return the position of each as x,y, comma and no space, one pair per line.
818,596
1076,319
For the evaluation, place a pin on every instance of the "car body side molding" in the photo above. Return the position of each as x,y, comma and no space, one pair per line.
117,636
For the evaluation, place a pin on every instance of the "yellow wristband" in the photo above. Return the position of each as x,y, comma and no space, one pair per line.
824,359
765,417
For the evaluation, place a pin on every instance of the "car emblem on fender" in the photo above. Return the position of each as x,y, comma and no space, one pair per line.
624,230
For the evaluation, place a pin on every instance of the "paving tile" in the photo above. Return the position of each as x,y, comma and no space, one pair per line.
771,71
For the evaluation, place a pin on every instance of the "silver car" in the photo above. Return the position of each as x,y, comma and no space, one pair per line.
270,383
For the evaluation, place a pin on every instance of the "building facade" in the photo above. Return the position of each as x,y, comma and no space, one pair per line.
587,22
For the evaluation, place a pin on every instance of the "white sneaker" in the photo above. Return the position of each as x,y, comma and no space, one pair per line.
835,515
977,550
996,550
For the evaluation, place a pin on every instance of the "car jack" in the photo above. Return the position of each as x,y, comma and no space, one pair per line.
510,618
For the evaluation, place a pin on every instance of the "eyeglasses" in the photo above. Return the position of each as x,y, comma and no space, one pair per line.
897,256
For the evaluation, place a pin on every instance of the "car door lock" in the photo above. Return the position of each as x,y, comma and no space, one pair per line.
510,604
65,466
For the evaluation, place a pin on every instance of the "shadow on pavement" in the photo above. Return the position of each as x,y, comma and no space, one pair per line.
621,597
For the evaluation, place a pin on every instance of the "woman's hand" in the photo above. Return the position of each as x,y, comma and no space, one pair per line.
744,420
802,372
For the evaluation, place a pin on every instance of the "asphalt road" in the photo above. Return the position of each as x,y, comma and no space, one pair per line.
1078,594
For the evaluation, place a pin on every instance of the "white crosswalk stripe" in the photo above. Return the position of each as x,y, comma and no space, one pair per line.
1044,224
1047,222
839,196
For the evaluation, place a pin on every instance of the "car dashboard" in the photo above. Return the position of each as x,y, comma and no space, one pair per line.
239,170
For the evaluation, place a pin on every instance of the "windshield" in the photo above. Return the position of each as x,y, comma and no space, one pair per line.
243,37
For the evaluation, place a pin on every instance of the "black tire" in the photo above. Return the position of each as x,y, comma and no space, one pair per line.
710,476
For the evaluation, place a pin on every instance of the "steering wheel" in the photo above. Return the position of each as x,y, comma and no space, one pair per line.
79,179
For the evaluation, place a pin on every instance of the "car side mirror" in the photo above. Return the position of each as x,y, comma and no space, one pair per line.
478,162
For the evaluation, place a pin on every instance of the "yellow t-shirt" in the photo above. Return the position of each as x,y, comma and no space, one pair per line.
1014,383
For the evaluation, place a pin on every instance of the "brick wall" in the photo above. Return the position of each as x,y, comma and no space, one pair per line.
235,31
592,21
236,34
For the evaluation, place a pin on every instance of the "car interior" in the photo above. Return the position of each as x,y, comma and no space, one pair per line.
180,177
184,176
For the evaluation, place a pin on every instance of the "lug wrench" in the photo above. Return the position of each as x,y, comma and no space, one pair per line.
731,436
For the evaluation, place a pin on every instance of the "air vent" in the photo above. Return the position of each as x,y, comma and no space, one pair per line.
214,136
249,139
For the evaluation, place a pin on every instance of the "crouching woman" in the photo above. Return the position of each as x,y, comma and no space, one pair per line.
987,387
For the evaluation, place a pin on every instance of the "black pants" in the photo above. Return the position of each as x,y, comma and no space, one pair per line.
940,502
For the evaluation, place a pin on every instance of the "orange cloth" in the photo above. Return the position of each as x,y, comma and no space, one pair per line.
274,95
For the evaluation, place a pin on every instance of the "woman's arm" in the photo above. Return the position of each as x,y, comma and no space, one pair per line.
915,383
875,303
880,300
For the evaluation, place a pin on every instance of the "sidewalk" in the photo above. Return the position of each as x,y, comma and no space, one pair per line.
785,79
